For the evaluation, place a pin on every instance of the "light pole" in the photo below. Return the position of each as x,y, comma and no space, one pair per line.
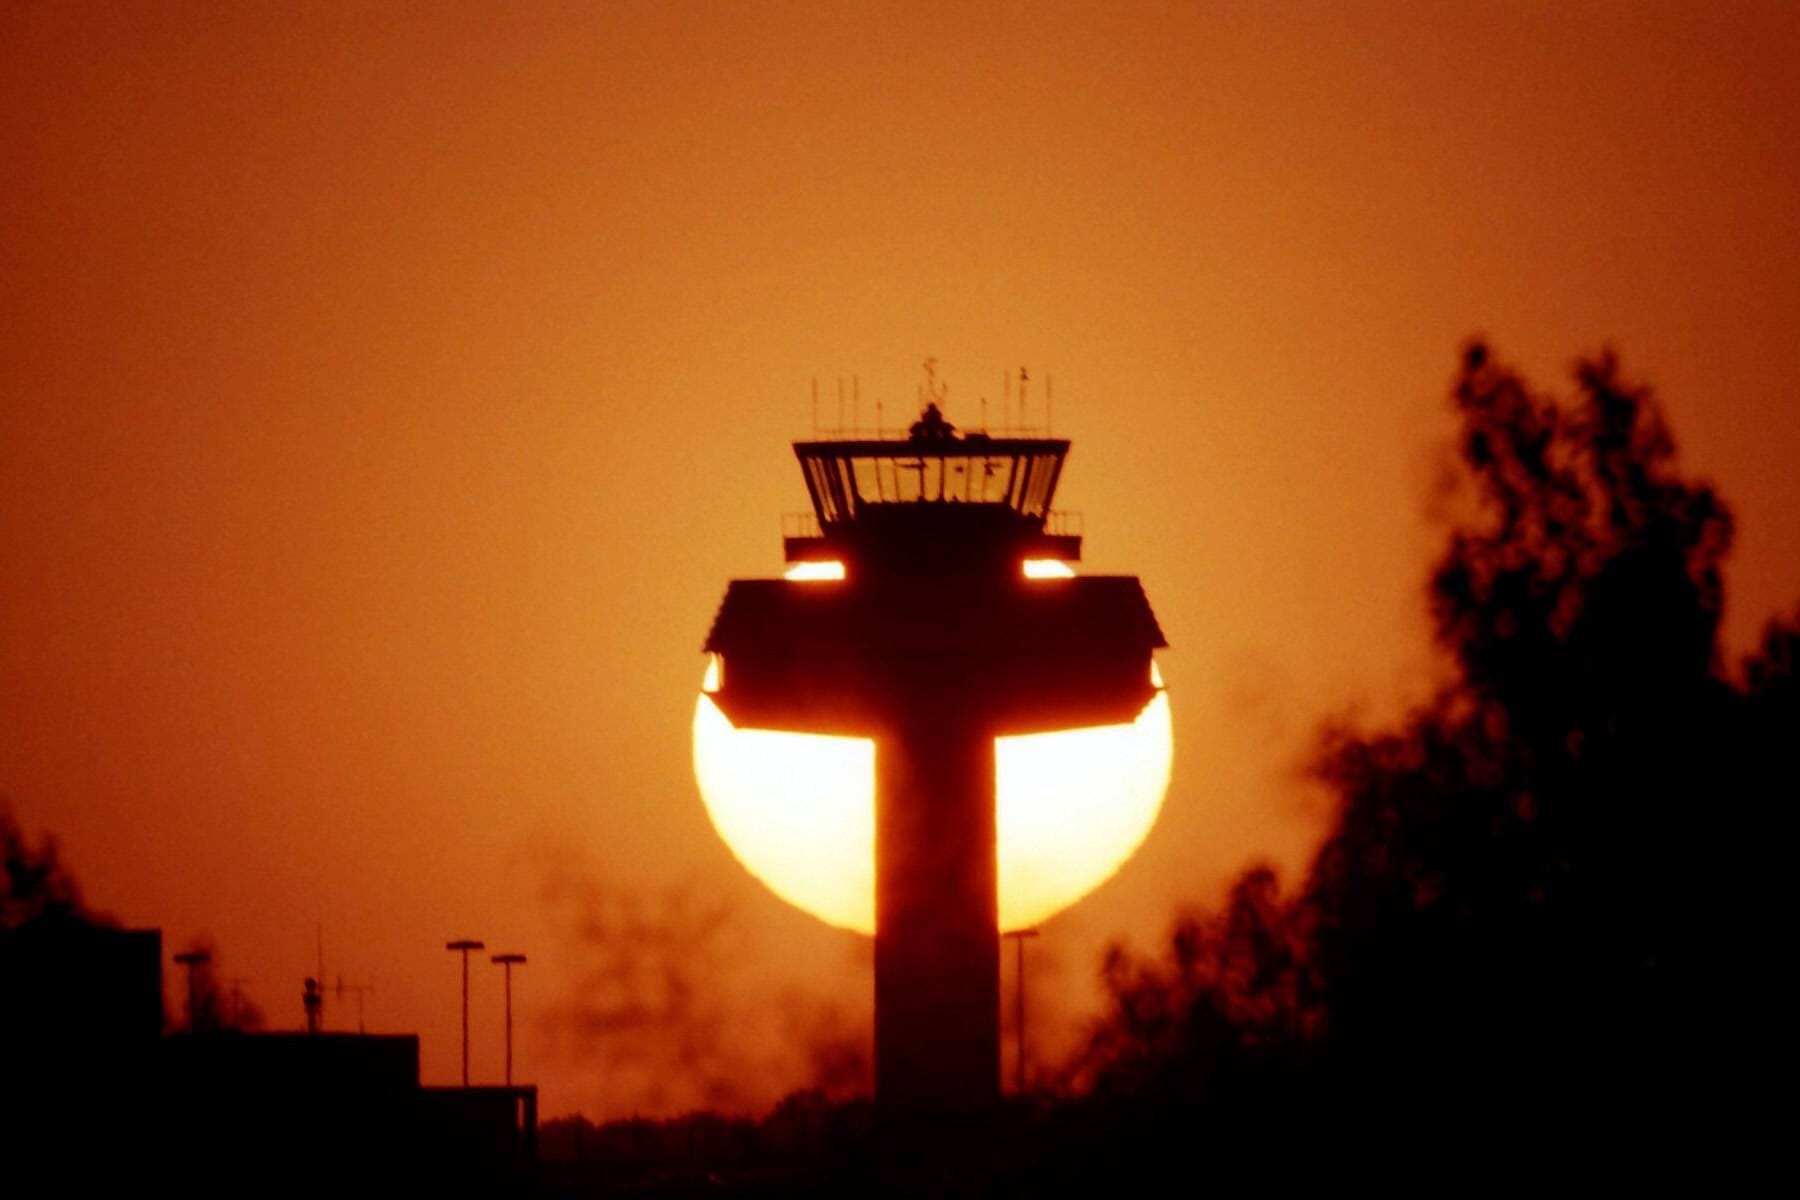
193,960
507,961
1018,936
465,945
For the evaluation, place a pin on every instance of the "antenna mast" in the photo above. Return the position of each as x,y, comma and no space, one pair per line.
319,943
361,990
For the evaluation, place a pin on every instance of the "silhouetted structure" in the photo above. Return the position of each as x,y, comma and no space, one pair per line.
343,1105
507,962
80,1004
1019,937
94,1095
934,644
462,946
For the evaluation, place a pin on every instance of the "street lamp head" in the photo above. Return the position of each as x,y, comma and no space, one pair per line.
509,959
465,944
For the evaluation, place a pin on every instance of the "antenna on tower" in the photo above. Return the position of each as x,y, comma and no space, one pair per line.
319,944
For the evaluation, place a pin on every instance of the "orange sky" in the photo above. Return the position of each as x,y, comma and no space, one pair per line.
386,397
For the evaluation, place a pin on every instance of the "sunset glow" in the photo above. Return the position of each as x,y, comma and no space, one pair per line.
798,810
391,390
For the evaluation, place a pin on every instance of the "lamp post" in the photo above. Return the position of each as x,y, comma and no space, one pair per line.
465,945
193,960
507,961
1018,936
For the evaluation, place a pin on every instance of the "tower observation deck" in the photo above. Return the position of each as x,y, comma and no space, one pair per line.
933,644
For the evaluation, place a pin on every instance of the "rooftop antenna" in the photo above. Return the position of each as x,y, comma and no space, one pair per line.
856,401
361,990
815,381
1023,380
984,414
1049,400
840,406
937,391
1005,401
319,945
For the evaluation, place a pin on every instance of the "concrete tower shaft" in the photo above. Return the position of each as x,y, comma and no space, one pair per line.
937,949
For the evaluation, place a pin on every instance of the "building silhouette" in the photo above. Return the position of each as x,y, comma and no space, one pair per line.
933,644
96,1094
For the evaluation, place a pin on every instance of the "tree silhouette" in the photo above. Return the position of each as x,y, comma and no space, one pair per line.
34,884
1537,888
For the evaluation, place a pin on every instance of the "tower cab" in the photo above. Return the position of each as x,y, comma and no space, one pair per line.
935,502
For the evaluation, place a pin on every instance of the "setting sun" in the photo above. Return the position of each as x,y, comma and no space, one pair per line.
798,810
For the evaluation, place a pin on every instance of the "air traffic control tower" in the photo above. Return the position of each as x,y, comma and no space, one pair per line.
933,644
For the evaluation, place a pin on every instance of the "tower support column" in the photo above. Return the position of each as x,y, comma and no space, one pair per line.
937,947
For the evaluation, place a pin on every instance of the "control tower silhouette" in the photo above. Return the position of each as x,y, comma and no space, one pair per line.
933,644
